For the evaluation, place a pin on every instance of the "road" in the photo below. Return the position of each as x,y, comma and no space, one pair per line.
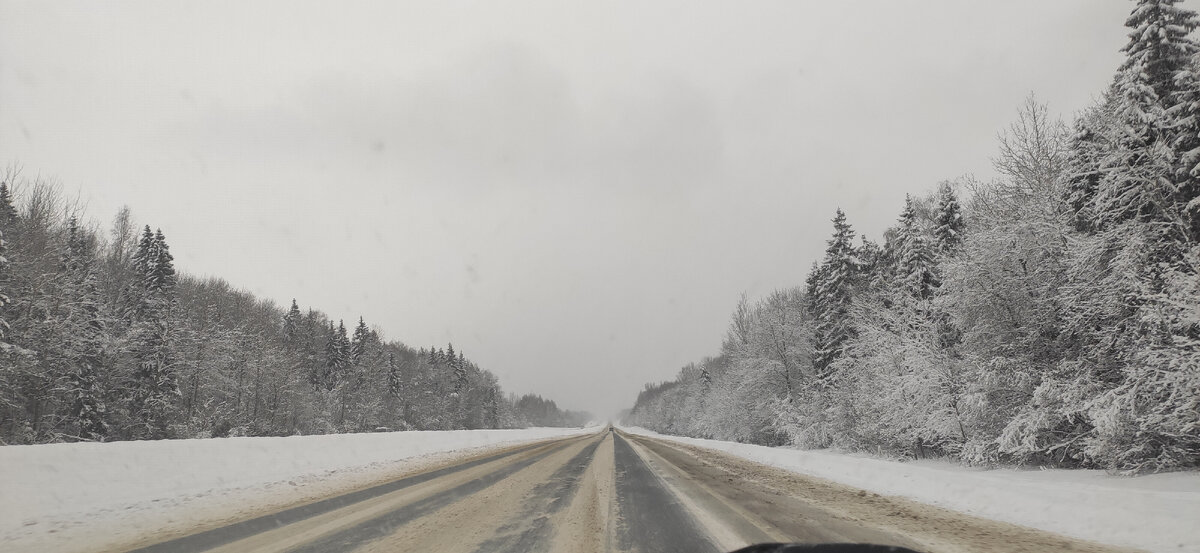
599,493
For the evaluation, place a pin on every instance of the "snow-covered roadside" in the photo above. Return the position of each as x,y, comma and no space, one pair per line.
1159,513
85,496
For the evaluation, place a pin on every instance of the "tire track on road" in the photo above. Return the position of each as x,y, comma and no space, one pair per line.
530,528
225,535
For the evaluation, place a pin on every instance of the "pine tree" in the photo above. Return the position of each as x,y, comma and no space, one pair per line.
395,380
291,325
1089,147
833,289
337,356
360,342
1146,181
915,267
155,386
1160,52
948,232
459,366
493,405
161,277
7,216
8,212
84,337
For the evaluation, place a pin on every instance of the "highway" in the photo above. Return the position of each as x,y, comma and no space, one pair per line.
610,491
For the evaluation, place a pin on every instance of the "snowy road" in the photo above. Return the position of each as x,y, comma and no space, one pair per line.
605,492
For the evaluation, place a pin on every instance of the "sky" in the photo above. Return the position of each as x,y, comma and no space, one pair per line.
575,194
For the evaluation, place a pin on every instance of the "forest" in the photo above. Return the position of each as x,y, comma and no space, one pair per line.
102,339
1048,317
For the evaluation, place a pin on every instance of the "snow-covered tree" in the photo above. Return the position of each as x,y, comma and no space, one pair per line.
291,325
832,293
337,357
914,256
155,386
948,221
84,336
7,217
360,342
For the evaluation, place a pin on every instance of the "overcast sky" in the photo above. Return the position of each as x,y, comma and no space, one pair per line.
573,193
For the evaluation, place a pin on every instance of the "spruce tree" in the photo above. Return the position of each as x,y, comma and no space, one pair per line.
949,221
360,342
5,222
493,404
155,386
833,287
337,356
8,212
1160,52
1145,179
1089,147
291,325
458,365
395,380
84,336
914,257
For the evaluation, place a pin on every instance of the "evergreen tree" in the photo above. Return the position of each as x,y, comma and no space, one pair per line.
360,342
1160,52
8,212
458,369
949,221
291,325
915,268
395,380
8,215
493,407
337,356
1145,180
833,287
1085,161
84,336
155,386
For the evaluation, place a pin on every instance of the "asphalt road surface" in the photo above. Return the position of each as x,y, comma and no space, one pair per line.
610,491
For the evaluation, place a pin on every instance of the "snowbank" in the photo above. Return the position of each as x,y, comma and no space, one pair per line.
1159,512
57,496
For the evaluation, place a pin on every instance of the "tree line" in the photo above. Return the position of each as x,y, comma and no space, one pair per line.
101,339
1052,318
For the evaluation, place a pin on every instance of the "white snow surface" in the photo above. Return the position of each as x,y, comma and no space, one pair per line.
85,496
1157,512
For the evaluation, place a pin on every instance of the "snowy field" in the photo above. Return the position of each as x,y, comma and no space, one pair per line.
1159,513
83,496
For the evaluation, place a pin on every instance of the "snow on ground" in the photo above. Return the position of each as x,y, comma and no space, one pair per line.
1158,512
85,496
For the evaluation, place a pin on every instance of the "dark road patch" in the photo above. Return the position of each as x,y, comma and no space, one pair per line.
652,519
